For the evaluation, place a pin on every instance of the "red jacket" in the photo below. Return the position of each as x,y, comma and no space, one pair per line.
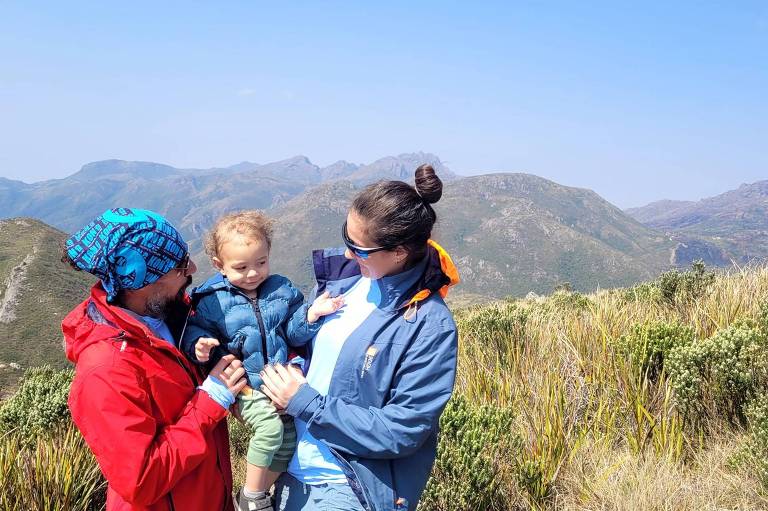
161,443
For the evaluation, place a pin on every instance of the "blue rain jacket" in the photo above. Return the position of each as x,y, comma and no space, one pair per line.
391,382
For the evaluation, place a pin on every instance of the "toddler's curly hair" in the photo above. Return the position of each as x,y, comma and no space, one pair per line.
249,223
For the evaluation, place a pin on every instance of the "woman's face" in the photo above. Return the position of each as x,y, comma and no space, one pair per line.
378,264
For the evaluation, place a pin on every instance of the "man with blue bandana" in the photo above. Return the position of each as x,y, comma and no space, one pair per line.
154,422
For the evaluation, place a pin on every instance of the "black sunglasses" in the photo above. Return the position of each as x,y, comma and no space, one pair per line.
360,252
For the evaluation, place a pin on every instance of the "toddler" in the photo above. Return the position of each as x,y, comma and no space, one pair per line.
245,311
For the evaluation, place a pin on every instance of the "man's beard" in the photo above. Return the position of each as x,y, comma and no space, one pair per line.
164,307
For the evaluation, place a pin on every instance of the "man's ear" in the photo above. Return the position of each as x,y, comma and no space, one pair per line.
218,264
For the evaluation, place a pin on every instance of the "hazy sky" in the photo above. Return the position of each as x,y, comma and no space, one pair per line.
636,100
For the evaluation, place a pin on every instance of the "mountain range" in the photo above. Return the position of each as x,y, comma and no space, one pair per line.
510,234
732,227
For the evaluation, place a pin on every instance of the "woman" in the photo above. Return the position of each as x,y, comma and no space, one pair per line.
382,368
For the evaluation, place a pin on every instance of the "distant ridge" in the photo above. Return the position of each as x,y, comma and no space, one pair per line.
510,233
734,223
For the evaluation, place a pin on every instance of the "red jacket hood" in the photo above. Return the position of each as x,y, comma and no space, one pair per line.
94,320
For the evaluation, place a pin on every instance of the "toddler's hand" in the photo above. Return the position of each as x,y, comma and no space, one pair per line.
203,348
323,306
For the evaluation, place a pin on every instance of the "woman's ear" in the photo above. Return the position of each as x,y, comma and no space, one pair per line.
218,264
401,255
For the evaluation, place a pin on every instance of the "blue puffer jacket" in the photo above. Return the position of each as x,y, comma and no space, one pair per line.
392,380
248,327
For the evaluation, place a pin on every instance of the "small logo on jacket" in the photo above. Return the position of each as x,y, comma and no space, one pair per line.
369,354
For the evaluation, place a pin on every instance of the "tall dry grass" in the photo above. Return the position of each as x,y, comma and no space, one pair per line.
55,472
550,413
597,433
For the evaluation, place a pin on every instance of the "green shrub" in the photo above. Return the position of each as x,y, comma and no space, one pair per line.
568,300
687,369
39,404
647,345
753,455
647,292
673,287
762,318
473,442
720,375
680,287
497,329
239,436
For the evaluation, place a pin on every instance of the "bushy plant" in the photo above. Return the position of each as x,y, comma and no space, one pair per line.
474,440
647,292
753,455
762,317
674,287
720,375
497,329
239,436
569,300
647,345
678,287
39,404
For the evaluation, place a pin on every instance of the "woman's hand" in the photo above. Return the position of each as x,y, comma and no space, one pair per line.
281,383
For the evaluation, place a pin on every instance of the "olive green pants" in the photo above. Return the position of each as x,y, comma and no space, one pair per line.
273,436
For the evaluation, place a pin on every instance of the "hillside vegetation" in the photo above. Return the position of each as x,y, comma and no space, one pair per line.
729,226
650,397
36,292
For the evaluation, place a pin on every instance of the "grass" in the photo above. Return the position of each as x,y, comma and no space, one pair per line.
570,401
55,473
598,432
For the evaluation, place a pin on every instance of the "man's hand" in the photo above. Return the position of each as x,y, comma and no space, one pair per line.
203,348
324,305
231,372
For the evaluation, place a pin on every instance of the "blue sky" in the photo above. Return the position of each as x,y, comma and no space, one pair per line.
636,100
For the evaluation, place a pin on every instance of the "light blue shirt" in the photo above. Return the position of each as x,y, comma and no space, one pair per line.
157,325
160,328
313,462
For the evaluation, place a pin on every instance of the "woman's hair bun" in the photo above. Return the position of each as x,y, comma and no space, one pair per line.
428,185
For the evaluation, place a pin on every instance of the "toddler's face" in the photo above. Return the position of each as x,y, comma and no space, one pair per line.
244,261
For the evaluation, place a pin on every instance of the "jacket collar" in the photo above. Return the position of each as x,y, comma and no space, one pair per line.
436,273
220,281
396,289
216,282
95,319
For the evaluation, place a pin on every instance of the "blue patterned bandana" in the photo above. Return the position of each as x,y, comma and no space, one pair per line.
127,249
